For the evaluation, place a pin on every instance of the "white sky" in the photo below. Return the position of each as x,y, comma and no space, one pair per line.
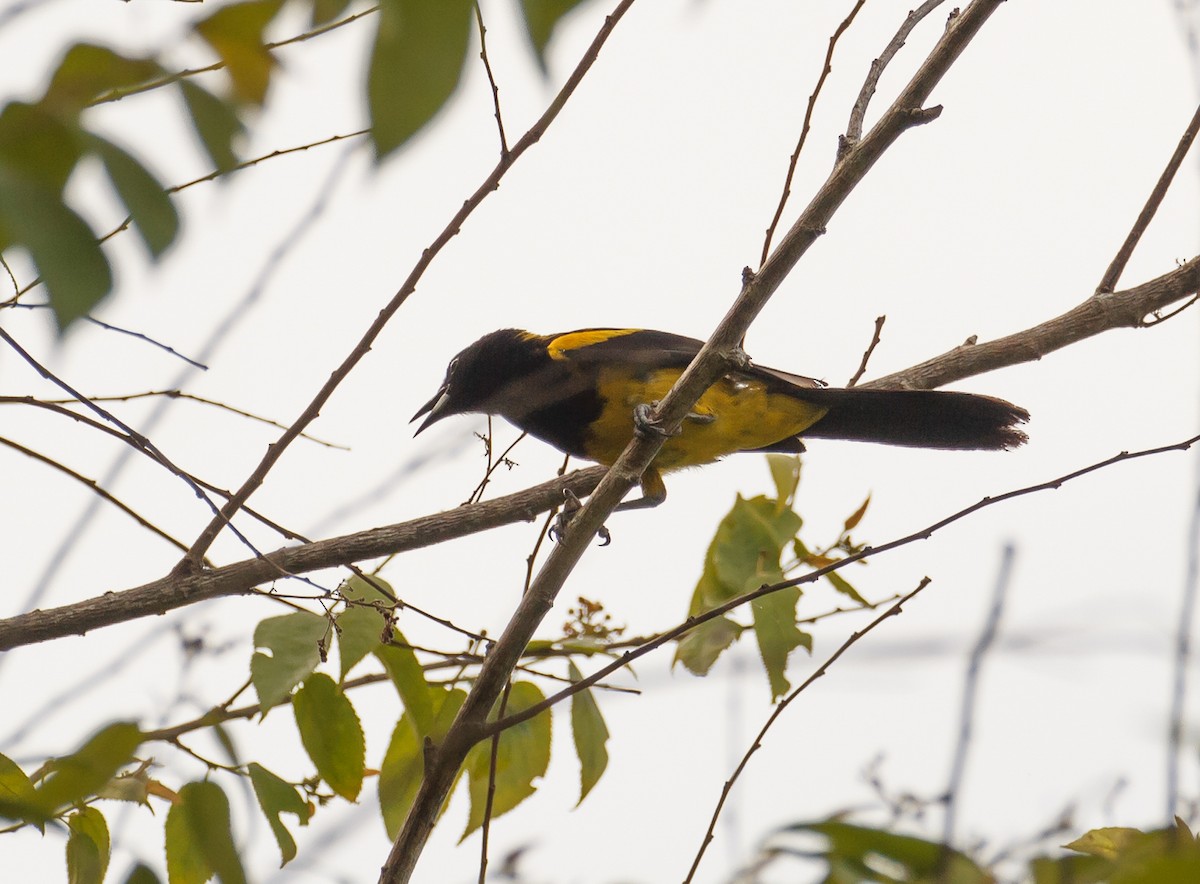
640,207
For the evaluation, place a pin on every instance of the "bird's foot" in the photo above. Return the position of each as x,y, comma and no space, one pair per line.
571,506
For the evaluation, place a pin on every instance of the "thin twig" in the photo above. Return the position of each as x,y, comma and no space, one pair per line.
858,113
491,787
811,577
826,70
778,711
136,439
118,94
983,644
866,357
1109,281
487,66
1183,653
452,228
175,393
94,487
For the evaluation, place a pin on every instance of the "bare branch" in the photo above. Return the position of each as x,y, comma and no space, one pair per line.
490,184
714,359
240,578
866,357
892,611
983,644
94,487
826,70
1109,281
487,66
858,113
1101,312
867,552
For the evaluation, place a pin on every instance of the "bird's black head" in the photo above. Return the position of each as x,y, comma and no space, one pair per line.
483,378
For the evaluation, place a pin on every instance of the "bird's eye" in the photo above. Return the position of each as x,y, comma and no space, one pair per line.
451,367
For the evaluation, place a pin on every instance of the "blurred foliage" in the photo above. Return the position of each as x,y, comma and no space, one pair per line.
420,48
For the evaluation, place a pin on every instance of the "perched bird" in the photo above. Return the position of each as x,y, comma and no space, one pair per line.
587,392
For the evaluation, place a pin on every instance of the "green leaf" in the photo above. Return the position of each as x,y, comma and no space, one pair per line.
235,33
541,18
842,585
36,144
699,649
18,799
199,839
87,71
409,678
325,11
293,641
590,734
785,473
857,851
142,874
404,762
522,756
1108,842
331,734
276,796
775,628
66,253
215,121
743,555
361,627
418,56
82,773
148,203
88,847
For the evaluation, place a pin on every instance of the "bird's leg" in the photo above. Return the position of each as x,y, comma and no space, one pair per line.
572,505
644,424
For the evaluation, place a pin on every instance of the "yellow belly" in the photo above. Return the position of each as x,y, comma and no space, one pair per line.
744,416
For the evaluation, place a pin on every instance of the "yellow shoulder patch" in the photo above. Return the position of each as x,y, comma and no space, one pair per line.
560,346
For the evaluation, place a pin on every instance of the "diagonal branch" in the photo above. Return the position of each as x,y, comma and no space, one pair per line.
489,185
714,359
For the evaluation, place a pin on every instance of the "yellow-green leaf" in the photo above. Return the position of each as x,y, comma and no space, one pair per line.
699,648
235,33
293,641
142,874
65,250
148,203
522,756
87,71
276,796
199,840
777,634
325,11
332,734
87,847
363,624
36,144
590,734
215,121
85,771
418,56
404,762
1108,842
18,800
409,678
785,473
541,18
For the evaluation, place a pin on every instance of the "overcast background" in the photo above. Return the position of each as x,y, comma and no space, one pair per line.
640,208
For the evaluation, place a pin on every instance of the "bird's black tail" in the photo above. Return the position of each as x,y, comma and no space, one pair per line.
916,418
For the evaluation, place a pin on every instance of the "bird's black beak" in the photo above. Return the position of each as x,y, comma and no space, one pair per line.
436,409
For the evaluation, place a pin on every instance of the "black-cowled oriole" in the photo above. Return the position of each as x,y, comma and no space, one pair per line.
581,391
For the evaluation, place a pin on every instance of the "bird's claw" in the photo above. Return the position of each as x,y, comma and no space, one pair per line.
572,505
